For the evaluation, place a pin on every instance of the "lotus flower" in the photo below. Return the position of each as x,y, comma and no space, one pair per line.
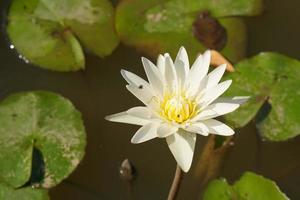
179,102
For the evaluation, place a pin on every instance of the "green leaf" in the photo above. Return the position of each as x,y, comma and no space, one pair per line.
157,26
250,186
219,190
50,33
272,82
27,193
42,139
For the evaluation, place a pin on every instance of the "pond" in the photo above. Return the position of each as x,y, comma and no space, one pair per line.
99,90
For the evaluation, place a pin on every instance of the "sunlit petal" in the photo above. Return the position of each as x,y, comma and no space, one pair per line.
214,93
183,56
237,100
182,146
141,112
198,71
161,64
182,65
133,79
215,110
166,129
218,128
123,117
141,93
154,76
170,75
215,76
145,133
199,128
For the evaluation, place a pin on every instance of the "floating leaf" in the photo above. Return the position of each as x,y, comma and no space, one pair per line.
157,26
41,131
49,33
272,81
26,193
250,186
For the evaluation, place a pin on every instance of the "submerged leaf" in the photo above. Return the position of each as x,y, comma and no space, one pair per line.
49,33
157,26
272,82
41,131
27,193
250,186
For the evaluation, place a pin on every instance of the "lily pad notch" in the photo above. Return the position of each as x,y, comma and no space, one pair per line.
42,139
272,81
53,33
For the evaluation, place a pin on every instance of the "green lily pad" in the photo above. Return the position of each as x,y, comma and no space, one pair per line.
42,139
272,81
26,193
51,33
250,186
158,26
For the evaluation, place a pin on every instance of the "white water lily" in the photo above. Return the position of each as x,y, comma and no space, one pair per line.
179,103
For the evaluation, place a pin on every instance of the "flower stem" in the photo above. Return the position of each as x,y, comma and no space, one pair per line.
176,184
212,158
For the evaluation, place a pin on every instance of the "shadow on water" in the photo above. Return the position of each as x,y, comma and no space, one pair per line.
100,90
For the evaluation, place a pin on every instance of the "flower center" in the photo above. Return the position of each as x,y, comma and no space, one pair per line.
178,108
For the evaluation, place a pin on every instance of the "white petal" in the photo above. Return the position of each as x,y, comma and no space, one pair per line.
165,130
215,110
141,112
154,76
182,146
123,117
218,128
181,73
213,93
183,56
182,65
212,79
206,59
141,93
145,133
194,76
198,71
202,87
170,75
237,100
215,76
133,79
198,128
139,85
161,64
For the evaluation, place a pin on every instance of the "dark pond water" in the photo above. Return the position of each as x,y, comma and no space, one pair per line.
100,90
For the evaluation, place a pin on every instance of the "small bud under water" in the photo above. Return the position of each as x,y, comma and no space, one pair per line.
127,171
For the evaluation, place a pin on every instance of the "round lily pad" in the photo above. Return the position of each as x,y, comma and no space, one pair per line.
42,139
250,186
26,193
272,82
158,26
51,33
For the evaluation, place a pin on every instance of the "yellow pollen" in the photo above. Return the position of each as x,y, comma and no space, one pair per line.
178,108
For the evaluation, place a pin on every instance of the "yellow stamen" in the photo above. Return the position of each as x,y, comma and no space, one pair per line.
178,108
